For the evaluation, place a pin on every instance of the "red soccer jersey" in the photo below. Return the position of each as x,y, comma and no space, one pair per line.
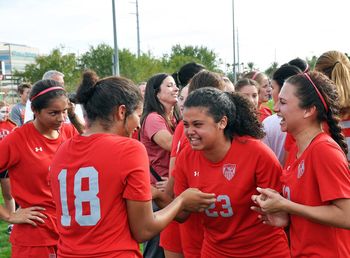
6,127
264,112
179,140
345,125
27,155
91,179
231,228
318,176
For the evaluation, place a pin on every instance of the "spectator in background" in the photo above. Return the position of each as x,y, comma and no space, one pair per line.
142,87
300,63
249,89
159,119
265,91
185,74
17,111
229,87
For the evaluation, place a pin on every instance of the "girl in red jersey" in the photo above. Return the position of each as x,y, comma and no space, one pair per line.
27,153
226,157
100,179
265,91
6,127
316,180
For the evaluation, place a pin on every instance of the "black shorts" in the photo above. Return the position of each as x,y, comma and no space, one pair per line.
4,174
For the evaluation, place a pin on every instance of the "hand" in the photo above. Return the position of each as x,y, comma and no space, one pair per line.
161,185
269,200
28,215
277,219
71,109
196,201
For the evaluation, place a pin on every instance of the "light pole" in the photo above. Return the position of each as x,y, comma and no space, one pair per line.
234,41
138,29
116,57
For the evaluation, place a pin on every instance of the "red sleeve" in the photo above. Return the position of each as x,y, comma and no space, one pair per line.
269,170
9,156
176,139
136,167
332,171
153,124
179,175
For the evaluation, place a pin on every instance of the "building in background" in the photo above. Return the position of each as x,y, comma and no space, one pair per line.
13,57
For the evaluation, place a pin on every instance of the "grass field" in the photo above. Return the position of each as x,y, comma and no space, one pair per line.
5,248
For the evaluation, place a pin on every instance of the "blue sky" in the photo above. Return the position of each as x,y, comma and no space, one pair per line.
270,30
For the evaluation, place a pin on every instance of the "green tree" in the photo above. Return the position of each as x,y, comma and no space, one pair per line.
312,62
99,59
270,71
181,55
65,63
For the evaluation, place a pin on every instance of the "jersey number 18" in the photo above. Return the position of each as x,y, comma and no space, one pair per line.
89,196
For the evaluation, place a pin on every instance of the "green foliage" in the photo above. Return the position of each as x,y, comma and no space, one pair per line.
99,59
312,62
270,71
65,63
181,55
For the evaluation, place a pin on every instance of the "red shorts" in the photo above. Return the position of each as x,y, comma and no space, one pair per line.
19,251
170,238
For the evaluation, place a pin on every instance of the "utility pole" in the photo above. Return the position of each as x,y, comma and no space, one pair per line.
234,41
116,56
138,29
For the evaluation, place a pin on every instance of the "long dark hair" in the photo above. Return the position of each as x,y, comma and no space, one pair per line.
152,103
241,115
101,97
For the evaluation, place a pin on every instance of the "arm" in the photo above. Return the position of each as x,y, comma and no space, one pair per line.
15,115
145,224
164,139
335,214
74,119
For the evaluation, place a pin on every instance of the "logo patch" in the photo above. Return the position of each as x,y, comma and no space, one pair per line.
229,171
196,173
301,169
37,149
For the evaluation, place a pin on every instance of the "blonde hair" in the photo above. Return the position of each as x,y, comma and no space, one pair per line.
336,66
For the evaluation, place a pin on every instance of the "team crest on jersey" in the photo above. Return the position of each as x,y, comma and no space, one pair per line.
229,171
301,169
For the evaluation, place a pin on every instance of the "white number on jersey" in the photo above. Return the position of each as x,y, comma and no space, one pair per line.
89,196
226,209
286,192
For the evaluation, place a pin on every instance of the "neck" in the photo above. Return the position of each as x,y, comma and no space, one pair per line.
305,137
46,132
219,151
96,128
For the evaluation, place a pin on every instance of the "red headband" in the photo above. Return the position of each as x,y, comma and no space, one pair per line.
45,91
255,74
317,91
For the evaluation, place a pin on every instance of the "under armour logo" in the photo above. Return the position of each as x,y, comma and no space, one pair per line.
37,149
196,173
